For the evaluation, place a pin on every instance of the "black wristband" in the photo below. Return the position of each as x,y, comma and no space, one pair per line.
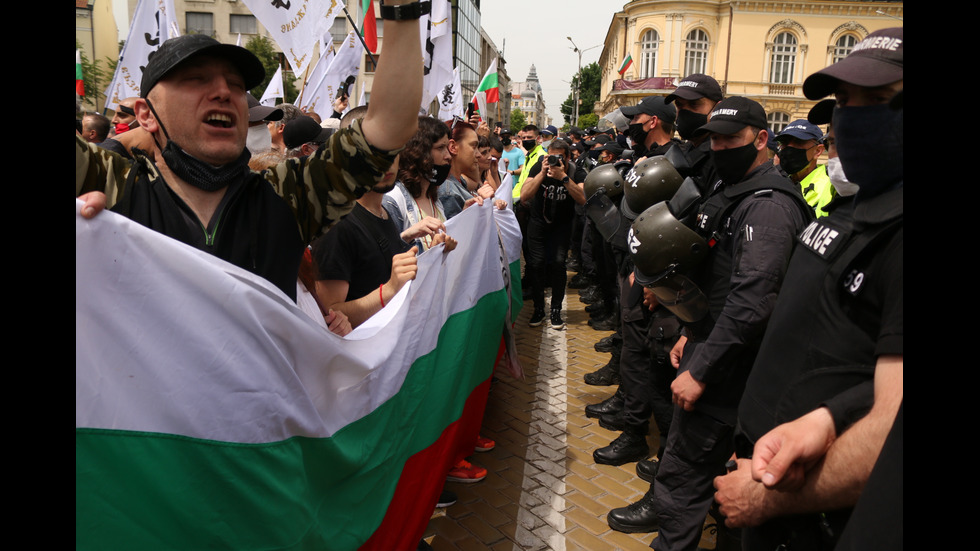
405,12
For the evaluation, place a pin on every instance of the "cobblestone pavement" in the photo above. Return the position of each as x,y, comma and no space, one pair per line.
544,491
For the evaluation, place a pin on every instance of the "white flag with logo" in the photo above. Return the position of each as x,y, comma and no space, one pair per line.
274,90
295,25
345,64
451,99
148,30
316,75
437,50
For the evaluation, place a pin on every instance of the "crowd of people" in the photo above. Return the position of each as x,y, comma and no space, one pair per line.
755,294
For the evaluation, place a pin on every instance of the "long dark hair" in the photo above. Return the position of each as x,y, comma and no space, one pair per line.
415,163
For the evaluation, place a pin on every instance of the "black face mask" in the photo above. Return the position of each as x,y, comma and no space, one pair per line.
793,159
439,174
636,133
196,172
593,154
732,164
505,141
870,144
528,145
688,122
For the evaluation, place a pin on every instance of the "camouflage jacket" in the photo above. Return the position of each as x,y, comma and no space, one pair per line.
265,221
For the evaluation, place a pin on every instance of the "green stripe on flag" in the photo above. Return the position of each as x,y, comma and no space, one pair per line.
136,490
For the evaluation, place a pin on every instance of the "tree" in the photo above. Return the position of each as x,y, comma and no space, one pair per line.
264,50
588,92
587,120
517,121
96,75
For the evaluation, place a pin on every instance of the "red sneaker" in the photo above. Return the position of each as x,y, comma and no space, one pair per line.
484,444
466,472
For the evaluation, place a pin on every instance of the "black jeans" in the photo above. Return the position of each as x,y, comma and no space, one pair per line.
547,250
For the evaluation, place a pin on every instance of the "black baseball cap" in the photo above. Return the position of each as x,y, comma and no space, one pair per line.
696,86
302,130
177,50
654,106
822,112
875,61
733,114
258,112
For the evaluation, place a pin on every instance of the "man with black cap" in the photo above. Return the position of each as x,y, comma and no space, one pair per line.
303,136
828,381
651,126
695,96
800,144
196,187
749,220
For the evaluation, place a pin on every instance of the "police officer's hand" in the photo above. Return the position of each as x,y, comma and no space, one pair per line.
740,498
686,390
677,352
784,454
650,301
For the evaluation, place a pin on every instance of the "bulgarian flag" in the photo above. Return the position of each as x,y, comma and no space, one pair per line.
488,91
626,64
211,412
369,25
79,83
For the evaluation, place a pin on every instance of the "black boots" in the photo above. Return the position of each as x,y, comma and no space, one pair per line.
626,448
611,404
606,375
636,517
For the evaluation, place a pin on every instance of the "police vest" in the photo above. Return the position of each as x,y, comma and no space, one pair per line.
823,334
532,158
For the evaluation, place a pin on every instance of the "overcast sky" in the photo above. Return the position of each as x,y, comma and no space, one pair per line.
531,32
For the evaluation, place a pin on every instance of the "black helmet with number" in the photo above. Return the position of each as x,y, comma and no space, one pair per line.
664,251
604,177
649,182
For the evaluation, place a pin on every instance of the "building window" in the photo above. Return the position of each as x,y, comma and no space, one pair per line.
200,23
843,46
778,121
696,56
338,30
783,59
648,53
370,63
244,24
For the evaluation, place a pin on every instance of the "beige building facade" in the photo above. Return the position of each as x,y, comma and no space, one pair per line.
759,49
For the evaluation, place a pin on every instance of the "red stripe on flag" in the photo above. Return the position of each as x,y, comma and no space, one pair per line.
369,28
424,476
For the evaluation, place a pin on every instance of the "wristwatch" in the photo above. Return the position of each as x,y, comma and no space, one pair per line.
565,180
405,12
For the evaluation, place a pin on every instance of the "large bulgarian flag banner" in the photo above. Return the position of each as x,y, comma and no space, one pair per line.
210,412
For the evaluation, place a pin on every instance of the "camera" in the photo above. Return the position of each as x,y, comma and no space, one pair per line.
555,160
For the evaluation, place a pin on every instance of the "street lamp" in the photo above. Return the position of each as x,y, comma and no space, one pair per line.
579,52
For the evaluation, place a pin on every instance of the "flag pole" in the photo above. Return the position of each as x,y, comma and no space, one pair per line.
358,33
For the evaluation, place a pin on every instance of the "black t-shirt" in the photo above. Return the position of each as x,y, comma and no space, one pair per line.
552,203
349,252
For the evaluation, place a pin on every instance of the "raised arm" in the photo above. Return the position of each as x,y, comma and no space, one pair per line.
396,94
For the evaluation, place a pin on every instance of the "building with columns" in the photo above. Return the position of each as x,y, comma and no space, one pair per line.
762,49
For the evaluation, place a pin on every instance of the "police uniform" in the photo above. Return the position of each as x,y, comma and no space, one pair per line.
841,308
751,227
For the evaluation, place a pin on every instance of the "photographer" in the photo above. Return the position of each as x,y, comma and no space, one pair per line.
552,188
